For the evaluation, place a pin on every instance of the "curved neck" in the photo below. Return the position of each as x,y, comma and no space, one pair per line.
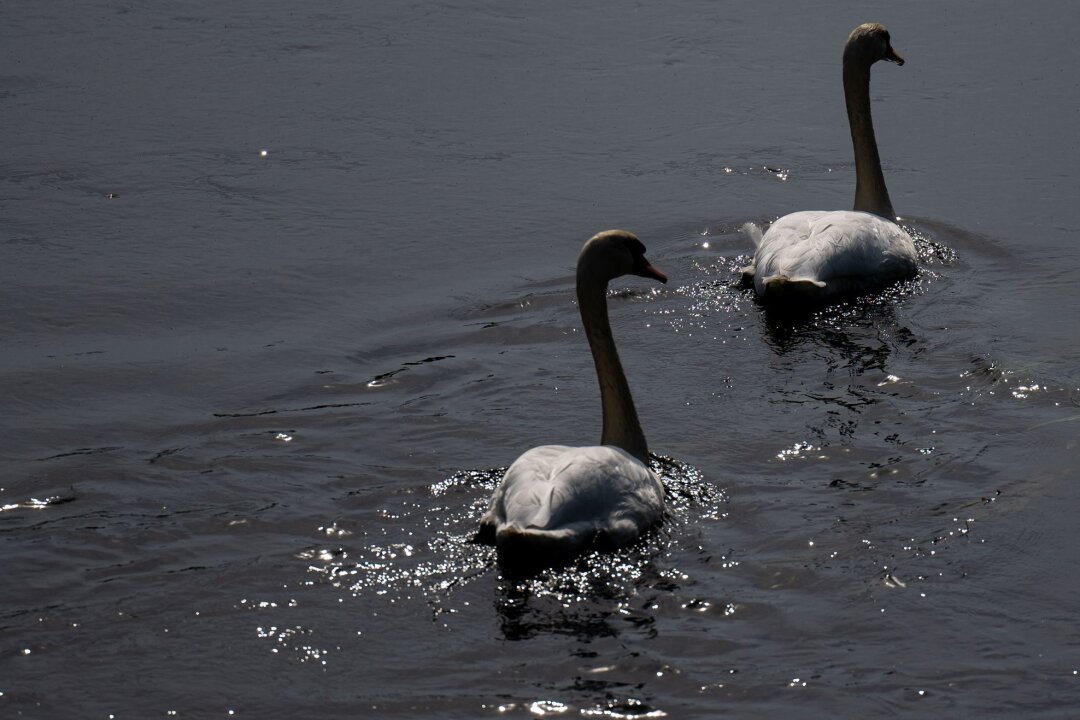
621,426
871,194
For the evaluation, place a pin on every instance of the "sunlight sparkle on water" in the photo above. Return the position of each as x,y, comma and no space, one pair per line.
35,503
627,709
795,451
1023,391
399,568
547,707
333,530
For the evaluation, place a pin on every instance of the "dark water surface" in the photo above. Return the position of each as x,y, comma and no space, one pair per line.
285,286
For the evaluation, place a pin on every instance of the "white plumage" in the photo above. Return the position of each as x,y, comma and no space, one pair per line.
820,252
556,501
818,255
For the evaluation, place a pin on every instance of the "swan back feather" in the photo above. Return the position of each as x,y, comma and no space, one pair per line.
825,253
557,500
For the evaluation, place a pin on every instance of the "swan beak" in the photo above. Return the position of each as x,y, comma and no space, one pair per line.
646,269
893,56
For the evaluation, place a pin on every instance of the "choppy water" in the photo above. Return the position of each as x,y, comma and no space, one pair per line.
285,288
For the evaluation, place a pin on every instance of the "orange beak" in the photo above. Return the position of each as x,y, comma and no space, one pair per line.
647,270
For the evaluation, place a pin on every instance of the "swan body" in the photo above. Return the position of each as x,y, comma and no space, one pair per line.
555,500
816,255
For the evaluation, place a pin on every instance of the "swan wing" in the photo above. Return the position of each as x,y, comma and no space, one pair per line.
524,489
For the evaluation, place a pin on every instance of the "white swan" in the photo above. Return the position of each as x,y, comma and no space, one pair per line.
815,255
555,500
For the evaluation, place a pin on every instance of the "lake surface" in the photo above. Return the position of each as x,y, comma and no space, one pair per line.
285,287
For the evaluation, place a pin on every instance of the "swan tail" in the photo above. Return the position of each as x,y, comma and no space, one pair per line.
753,231
746,279
529,548
486,534
782,287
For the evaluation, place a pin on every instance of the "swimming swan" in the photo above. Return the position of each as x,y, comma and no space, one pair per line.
816,255
555,500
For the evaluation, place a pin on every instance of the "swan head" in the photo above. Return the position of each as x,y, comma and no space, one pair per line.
614,253
869,43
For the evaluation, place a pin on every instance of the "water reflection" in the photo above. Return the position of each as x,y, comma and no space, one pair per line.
862,336
584,608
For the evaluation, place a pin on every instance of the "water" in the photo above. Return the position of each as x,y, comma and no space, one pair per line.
285,288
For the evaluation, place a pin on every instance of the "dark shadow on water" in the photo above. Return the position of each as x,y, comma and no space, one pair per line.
544,606
863,331
530,562
596,596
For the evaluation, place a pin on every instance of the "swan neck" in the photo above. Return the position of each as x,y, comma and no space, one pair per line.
621,426
871,195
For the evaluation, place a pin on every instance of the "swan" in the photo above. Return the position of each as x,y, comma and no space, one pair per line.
556,501
817,255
